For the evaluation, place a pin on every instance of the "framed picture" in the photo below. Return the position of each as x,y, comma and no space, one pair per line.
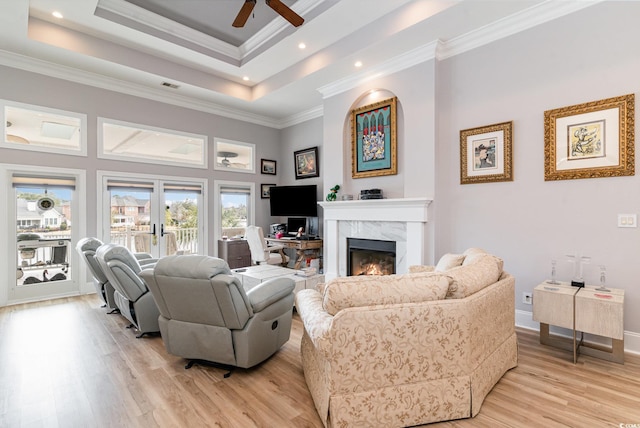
374,143
486,154
590,140
306,163
268,166
265,190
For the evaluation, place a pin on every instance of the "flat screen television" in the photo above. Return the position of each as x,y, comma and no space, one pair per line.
294,201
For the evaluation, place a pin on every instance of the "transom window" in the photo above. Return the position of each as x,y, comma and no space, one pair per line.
139,143
42,129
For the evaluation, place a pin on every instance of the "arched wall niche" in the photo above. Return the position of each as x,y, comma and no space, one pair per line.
352,186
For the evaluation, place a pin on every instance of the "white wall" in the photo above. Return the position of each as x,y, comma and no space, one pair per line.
579,58
416,137
587,56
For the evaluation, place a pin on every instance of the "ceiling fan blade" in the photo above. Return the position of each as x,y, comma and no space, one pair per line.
244,13
284,11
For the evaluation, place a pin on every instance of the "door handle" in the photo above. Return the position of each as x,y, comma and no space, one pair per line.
162,230
154,240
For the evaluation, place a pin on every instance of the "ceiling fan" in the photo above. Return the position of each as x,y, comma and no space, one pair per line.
277,5
225,155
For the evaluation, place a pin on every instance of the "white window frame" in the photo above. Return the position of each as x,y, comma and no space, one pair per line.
217,193
80,151
102,155
250,146
8,217
104,201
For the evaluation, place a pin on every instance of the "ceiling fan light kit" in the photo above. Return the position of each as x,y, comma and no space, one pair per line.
226,162
277,5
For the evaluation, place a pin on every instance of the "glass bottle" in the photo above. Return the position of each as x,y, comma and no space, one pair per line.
603,279
553,273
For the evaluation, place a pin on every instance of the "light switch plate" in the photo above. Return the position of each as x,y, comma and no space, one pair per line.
627,220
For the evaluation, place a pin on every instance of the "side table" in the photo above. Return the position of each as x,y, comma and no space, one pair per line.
584,310
601,313
235,252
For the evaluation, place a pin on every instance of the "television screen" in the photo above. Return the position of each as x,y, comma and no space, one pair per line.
295,223
292,201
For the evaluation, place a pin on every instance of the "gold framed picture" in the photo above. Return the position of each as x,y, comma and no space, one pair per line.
590,140
374,141
486,154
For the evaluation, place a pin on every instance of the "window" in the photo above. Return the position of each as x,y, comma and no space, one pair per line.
234,156
138,143
157,216
43,219
43,129
236,212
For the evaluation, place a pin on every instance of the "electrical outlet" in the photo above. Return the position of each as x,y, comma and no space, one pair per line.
527,298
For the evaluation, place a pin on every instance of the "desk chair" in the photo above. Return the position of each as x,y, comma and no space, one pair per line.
261,253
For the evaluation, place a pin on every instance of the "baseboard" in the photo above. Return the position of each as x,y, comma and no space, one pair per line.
524,319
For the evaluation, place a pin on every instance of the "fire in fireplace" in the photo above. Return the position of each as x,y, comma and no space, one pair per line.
370,257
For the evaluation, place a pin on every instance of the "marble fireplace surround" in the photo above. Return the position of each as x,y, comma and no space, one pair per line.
401,220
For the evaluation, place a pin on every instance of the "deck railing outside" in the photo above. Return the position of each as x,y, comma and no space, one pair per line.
186,239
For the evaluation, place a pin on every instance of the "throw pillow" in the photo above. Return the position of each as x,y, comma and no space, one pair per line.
449,261
421,268
359,291
471,278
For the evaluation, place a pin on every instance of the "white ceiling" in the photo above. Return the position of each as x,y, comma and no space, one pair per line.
117,44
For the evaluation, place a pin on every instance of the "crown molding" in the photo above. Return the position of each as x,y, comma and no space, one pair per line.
513,24
274,27
401,62
71,74
521,21
166,26
301,117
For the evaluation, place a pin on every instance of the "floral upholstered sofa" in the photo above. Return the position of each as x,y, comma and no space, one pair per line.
402,350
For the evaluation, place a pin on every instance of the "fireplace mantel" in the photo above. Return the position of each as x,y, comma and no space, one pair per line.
405,209
402,220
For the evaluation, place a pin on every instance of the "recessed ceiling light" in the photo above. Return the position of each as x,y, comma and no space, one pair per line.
245,78
302,45
57,15
358,64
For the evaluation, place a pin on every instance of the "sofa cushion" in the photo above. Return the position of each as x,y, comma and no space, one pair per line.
449,261
421,268
357,291
474,257
481,271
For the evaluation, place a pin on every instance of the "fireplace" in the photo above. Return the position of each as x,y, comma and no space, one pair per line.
403,221
370,257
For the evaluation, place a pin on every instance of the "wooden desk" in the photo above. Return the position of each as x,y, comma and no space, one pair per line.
301,246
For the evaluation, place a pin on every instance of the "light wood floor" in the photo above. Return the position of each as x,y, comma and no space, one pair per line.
66,363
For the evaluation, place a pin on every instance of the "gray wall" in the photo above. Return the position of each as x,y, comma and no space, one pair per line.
299,137
530,221
587,56
37,89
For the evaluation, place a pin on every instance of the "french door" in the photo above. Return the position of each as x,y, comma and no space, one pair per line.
43,222
157,216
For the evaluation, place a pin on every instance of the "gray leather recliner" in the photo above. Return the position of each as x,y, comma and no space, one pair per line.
205,314
87,248
131,294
